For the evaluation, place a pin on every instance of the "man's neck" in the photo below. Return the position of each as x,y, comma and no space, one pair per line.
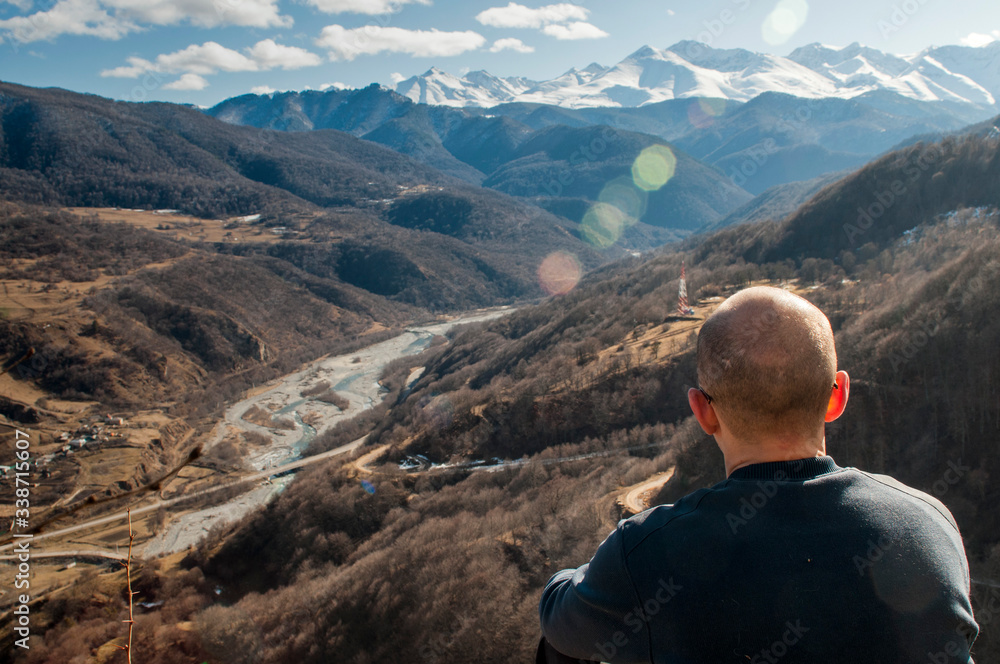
738,456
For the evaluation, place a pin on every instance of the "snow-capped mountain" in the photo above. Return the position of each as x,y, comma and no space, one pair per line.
924,76
478,88
981,65
958,74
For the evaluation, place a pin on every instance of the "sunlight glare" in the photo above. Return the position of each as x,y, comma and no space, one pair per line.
623,194
437,410
654,167
603,225
559,273
702,112
784,21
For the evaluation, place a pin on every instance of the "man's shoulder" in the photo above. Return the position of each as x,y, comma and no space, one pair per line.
896,489
635,529
876,491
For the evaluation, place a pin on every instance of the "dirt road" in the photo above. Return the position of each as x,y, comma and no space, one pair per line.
636,498
121,517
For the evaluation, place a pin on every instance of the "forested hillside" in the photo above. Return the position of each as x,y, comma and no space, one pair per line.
588,391
877,204
565,168
565,163
64,148
162,321
774,139
363,214
775,203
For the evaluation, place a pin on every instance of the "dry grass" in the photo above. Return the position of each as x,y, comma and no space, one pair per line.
182,227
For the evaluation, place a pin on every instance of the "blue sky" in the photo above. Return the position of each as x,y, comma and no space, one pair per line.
203,51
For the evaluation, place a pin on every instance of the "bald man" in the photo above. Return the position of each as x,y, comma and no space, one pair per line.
791,558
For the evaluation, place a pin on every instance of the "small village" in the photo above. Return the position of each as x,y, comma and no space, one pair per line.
102,431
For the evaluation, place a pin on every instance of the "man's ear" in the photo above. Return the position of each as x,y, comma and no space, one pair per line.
703,411
838,397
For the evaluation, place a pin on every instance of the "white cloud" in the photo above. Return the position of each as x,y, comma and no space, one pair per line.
575,30
262,90
66,17
269,55
204,59
202,13
396,77
113,19
347,44
362,6
187,82
136,67
519,16
333,86
511,44
562,21
977,39
200,60
23,5
670,12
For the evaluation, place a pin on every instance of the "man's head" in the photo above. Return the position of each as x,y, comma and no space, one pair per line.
767,359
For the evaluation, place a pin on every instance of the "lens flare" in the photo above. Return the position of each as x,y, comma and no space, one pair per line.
713,107
368,487
654,167
702,113
784,21
559,273
437,411
603,225
622,193
698,117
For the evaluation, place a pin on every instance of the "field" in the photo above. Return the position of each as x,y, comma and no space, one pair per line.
184,227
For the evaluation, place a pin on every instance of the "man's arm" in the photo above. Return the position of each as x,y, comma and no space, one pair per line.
593,612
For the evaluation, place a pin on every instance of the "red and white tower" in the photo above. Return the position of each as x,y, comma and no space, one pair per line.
682,297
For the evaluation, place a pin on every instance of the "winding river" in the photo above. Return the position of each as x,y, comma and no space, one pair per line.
353,376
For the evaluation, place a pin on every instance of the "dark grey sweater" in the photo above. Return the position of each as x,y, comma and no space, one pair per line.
796,561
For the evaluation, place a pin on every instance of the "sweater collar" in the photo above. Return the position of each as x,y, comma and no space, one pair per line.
800,469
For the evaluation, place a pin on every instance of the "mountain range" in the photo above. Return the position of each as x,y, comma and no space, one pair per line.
350,211
773,139
557,158
961,75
